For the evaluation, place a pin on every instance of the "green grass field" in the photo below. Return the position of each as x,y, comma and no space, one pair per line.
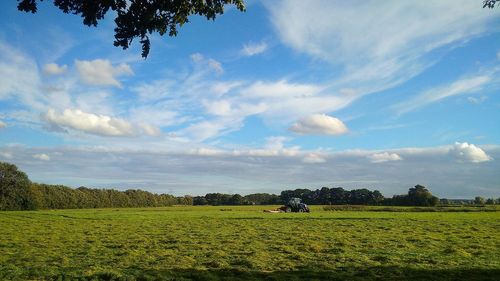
228,243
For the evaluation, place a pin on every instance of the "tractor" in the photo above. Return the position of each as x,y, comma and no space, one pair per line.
295,206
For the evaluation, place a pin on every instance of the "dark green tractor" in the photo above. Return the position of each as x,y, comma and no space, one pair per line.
295,206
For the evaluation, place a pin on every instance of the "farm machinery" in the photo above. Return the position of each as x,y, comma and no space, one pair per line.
293,206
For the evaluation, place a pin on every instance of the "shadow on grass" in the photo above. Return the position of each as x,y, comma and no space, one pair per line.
369,273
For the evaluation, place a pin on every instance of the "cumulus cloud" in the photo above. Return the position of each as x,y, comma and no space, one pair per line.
465,152
101,72
313,158
2,124
319,124
101,125
54,69
252,49
42,156
384,157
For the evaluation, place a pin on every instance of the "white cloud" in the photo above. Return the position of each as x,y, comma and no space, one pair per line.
377,45
207,129
6,154
356,31
458,87
101,72
319,124
221,88
42,156
215,65
279,89
465,152
477,100
200,170
101,125
54,69
276,143
218,107
2,124
313,158
252,49
197,57
19,78
150,130
384,157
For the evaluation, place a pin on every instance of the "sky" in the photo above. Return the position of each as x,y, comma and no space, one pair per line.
289,94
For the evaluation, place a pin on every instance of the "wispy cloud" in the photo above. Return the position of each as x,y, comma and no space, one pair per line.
252,49
477,100
358,42
101,72
461,86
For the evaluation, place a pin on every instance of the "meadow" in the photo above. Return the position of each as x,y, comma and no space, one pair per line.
244,243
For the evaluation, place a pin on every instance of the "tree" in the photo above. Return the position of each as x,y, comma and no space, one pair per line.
420,196
445,201
15,193
139,18
490,201
479,200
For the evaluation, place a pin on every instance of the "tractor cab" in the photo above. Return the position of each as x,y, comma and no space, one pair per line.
295,205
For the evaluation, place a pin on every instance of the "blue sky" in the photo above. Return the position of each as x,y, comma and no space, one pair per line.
289,94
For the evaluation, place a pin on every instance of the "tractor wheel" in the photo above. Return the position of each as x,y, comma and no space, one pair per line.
301,210
288,210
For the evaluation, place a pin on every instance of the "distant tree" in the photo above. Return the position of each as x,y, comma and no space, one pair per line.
365,197
420,196
339,196
478,200
444,201
236,199
187,200
378,198
200,200
261,199
139,18
15,191
490,201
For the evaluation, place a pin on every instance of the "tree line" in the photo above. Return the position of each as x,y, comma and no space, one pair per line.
17,192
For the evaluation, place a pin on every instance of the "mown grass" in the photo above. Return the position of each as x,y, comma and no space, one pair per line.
228,243
450,208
